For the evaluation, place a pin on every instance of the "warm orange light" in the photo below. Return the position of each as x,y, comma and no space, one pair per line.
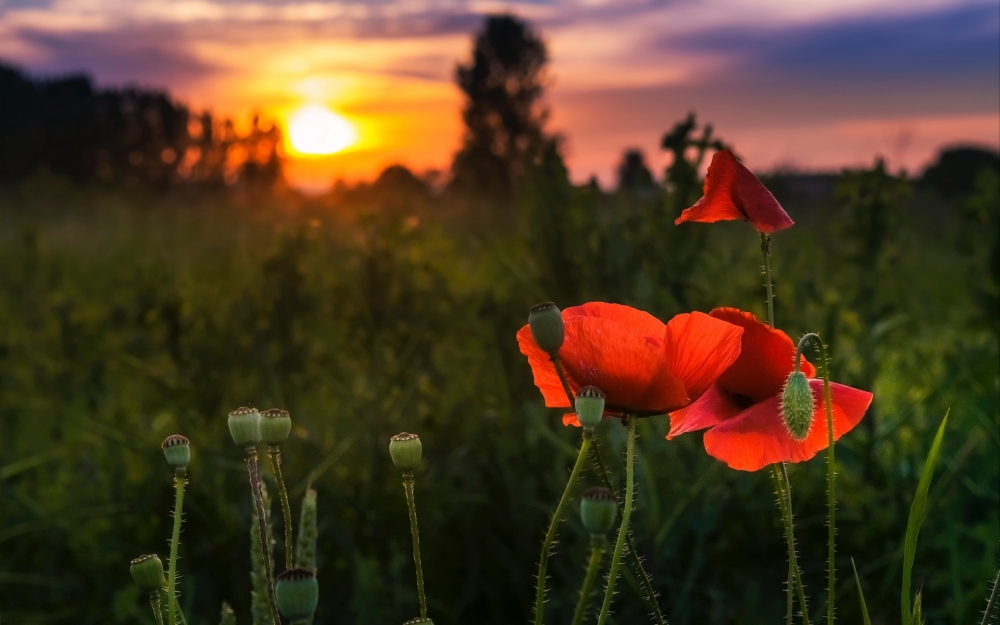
316,130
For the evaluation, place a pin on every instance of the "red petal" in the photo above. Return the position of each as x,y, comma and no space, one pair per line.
733,192
699,348
712,408
546,378
765,358
570,418
639,322
758,437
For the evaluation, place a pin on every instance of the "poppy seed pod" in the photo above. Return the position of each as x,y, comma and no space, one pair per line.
297,593
590,407
405,450
797,405
598,510
147,573
275,424
244,426
547,328
177,450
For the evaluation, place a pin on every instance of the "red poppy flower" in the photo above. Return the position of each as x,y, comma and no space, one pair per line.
743,407
643,366
733,192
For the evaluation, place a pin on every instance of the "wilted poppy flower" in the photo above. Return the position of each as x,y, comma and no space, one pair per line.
643,366
743,407
733,192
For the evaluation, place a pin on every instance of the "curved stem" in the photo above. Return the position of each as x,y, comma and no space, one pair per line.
609,592
765,248
154,602
415,532
550,535
175,539
831,501
258,502
286,509
593,566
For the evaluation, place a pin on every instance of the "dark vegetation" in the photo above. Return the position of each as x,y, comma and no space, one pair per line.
137,301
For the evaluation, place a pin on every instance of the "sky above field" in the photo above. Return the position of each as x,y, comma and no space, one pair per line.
807,84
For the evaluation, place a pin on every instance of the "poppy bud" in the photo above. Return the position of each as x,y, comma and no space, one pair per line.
547,329
275,424
244,426
797,405
598,510
177,450
405,450
147,573
590,407
297,593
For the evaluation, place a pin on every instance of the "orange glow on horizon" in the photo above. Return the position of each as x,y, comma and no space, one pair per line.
315,130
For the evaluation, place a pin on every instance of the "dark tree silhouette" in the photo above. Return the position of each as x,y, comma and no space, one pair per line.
682,175
632,172
503,85
956,170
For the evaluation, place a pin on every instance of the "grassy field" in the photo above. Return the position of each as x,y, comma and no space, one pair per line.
127,316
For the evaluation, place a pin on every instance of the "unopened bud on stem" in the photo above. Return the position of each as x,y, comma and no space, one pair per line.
546,323
797,405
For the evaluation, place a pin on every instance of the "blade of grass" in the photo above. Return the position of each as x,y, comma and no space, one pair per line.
861,595
916,518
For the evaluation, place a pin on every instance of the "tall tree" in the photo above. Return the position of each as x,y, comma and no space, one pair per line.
503,115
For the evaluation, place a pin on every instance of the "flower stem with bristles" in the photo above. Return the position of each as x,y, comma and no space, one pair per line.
609,592
784,488
258,501
275,454
175,540
550,535
411,504
593,566
765,248
154,602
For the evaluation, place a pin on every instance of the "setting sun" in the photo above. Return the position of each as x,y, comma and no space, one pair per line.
316,130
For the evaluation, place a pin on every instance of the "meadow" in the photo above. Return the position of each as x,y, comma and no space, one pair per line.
127,315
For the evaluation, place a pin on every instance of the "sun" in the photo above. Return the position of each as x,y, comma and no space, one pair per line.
316,130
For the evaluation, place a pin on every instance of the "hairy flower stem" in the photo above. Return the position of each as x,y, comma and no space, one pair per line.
154,602
415,531
765,248
258,504
647,582
831,501
275,453
593,566
784,488
609,592
550,535
175,541
991,601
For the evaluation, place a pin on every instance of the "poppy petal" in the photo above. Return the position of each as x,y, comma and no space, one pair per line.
570,418
758,437
699,348
712,408
546,378
639,322
765,358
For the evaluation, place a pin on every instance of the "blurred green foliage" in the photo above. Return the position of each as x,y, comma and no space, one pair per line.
125,318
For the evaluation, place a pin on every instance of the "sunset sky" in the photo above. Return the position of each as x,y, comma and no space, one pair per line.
810,84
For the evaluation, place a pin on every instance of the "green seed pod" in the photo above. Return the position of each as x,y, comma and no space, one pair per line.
598,510
177,450
297,593
546,323
244,426
275,424
797,405
590,407
147,573
405,450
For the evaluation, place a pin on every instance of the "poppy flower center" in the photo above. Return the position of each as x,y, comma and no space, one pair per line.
742,401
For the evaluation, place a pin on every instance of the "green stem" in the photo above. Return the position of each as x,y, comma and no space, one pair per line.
175,540
623,530
593,566
831,500
785,503
550,535
258,501
765,248
647,582
415,531
790,586
286,509
154,602
989,602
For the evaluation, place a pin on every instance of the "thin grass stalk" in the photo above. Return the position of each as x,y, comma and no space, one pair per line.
175,540
275,453
623,530
258,499
415,532
861,595
590,579
550,534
